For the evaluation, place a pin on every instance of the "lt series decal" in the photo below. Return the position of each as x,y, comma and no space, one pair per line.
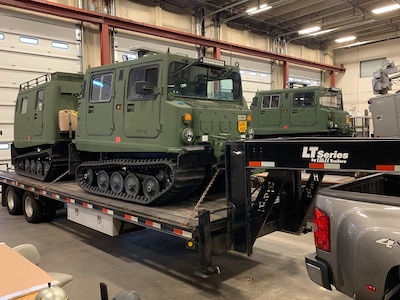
317,155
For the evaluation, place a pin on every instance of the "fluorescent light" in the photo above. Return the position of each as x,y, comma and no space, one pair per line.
258,9
310,30
322,32
345,39
384,9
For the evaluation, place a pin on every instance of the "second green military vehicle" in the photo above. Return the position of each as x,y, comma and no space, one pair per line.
303,111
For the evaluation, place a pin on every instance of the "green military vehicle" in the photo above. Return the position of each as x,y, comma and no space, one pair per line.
150,130
303,111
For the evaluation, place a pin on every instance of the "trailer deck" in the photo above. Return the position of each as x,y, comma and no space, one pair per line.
179,218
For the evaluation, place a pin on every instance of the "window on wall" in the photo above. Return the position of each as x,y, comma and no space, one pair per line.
101,87
368,67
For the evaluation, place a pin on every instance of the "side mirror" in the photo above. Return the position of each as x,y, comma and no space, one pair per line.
144,88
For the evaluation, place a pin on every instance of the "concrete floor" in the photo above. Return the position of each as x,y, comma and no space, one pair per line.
159,266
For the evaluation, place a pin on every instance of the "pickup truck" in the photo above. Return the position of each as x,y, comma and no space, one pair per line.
357,238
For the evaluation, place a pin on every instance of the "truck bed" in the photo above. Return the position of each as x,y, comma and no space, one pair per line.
178,218
366,188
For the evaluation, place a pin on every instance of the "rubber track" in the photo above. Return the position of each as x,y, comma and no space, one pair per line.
58,165
184,181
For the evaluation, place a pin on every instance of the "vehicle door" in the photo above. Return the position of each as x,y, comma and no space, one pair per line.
143,101
270,112
303,108
38,113
99,111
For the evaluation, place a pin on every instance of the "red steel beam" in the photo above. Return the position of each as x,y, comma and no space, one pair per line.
70,12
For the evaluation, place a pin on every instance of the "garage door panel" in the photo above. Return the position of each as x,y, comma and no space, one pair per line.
15,77
9,96
125,41
21,61
20,22
6,114
8,132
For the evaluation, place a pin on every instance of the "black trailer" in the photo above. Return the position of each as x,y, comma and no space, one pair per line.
218,222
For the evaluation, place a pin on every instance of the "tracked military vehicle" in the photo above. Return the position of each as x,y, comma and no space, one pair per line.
303,111
40,147
152,130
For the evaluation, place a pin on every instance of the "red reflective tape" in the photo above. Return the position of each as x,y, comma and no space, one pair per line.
254,163
149,223
68,199
316,165
84,204
385,167
104,210
178,231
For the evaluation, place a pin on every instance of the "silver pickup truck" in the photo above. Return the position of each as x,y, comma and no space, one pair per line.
357,238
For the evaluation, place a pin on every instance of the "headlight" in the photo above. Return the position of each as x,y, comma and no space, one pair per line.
188,135
250,133
330,124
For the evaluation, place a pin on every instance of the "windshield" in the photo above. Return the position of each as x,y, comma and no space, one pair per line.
331,98
203,81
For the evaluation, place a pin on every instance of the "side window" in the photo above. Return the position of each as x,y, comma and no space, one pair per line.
303,99
142,81
101,88
270,101
24,106
39,100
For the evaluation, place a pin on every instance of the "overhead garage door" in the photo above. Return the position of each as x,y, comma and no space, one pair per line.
124,42
299,76
31,46
255,74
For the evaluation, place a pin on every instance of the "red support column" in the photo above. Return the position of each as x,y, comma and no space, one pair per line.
333,81
104,44
285,73
217,53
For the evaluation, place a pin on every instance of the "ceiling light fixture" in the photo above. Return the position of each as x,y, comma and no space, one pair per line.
258,9
384,9
322,32
345,39
309,30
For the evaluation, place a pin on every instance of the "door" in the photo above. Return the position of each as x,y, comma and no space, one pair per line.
38,114
99,111
303,109
143,102
270,112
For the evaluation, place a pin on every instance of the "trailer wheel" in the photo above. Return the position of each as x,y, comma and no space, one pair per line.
14,202
33,208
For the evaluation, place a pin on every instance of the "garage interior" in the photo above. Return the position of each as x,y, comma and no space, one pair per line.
276,43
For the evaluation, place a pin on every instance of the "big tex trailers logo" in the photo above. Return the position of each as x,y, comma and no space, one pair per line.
317,155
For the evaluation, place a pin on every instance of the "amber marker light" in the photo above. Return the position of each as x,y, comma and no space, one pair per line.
187,118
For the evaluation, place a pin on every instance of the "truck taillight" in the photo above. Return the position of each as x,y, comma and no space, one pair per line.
322,230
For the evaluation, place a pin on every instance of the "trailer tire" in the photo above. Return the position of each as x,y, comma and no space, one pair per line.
13,201
33,208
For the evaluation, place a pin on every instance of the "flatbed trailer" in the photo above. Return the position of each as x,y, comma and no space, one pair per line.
231,220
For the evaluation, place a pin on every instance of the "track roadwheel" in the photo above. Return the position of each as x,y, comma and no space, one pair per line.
39,168
151,187
132,185
117,182
14,202
33,208
103,180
